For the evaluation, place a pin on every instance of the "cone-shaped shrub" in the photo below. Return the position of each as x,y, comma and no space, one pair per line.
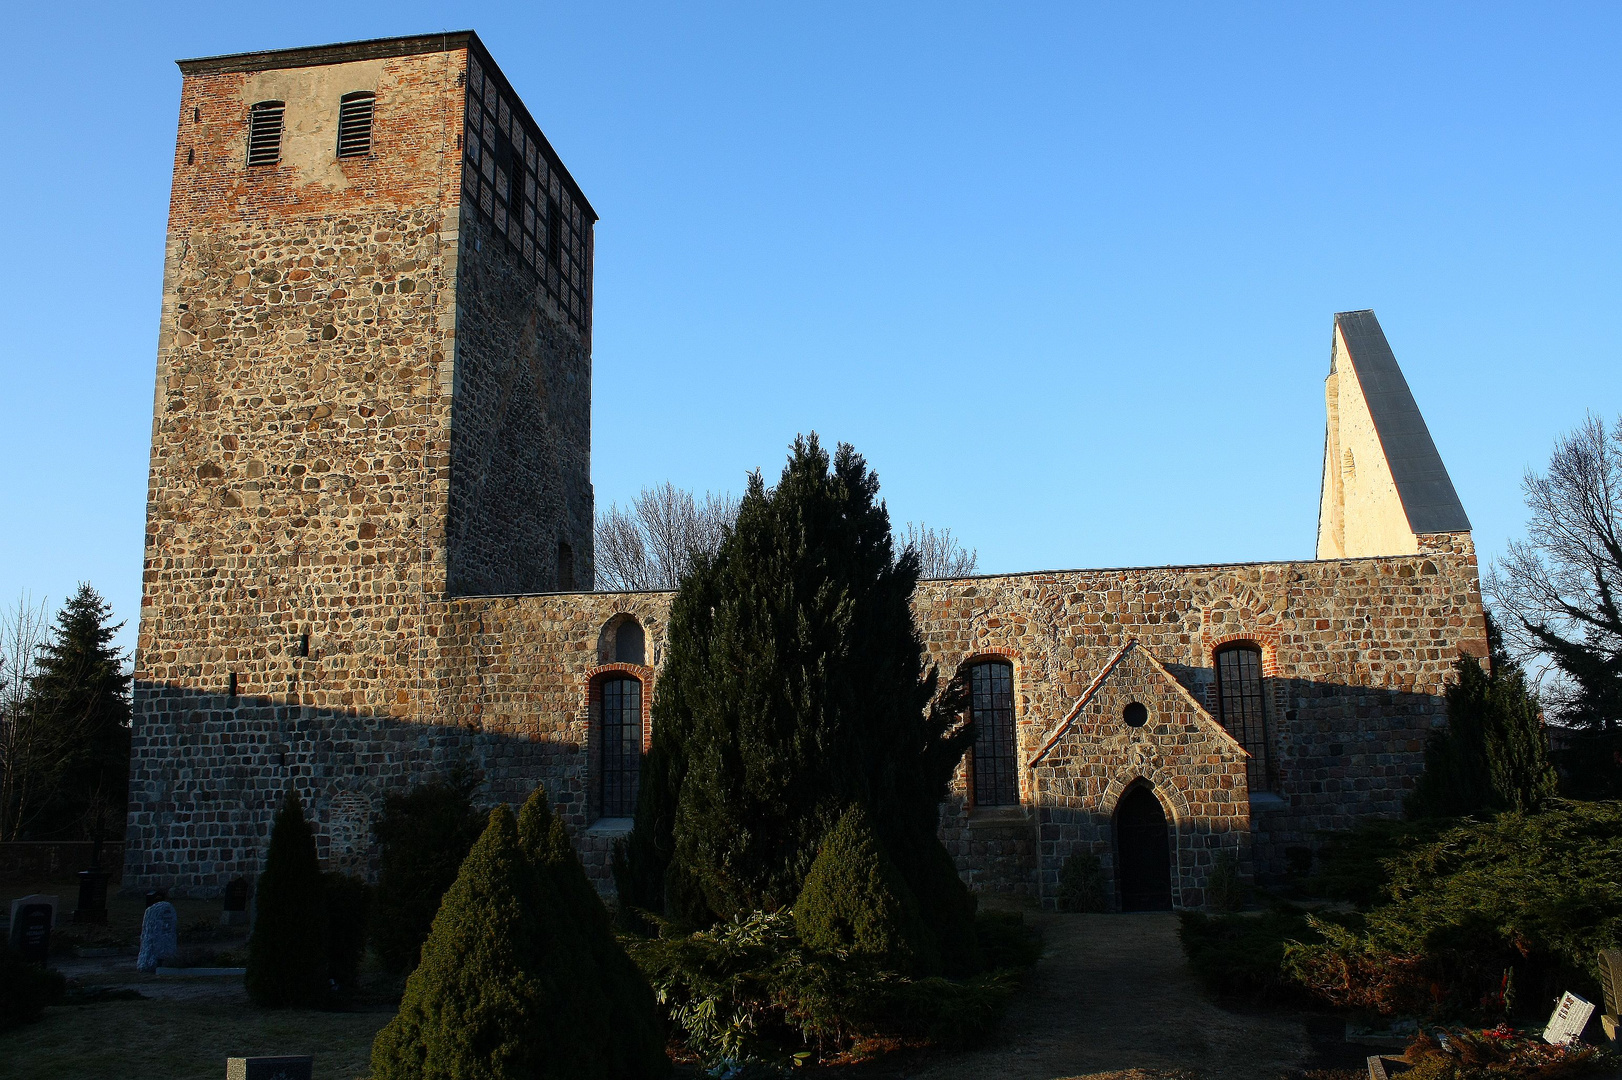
855,899
505,989
633,1017
287,953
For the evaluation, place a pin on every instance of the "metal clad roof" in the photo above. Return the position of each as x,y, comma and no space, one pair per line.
1422,481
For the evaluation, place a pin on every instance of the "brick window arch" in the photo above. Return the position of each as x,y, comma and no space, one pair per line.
993,762
1241,706
617,702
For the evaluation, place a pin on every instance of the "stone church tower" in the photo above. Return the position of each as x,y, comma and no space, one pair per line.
373,391
369,539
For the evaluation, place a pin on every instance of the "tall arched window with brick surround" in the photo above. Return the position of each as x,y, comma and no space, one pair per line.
619,728
991,703
1242,708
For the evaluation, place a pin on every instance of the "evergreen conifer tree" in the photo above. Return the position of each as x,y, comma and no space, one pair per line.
854,899
287,951
1493,754
505,989
423,836
80,698
794,687
638,1040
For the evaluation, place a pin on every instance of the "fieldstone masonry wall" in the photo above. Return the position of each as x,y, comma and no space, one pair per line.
521,429
1181,752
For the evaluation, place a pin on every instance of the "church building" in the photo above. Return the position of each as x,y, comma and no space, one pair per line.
370,514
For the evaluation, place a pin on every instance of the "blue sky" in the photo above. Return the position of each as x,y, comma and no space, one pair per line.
1063,273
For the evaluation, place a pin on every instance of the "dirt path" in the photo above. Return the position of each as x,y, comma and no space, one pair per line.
1113,994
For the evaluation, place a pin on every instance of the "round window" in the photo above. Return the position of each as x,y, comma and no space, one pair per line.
1136,714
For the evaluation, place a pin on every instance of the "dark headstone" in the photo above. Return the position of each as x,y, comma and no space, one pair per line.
92,897
31,920
156,896
269,1068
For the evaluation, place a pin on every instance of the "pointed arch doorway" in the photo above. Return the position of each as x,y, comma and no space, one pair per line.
1142,851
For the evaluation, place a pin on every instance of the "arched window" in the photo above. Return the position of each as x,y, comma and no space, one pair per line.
1241,709
565,567
630,643
996,779
265,133
355,123
620,726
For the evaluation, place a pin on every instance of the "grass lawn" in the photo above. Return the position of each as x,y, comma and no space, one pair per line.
183,1040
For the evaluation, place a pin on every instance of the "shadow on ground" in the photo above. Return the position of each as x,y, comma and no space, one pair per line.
1113,996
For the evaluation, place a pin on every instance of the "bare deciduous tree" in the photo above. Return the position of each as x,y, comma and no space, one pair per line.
651,544
29,758
939,553
1557,588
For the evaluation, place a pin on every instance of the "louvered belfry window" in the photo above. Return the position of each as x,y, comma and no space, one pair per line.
996,778
355,123
265,133
1242,708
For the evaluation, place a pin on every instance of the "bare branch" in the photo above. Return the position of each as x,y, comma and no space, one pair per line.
652,544
939,553
1557,589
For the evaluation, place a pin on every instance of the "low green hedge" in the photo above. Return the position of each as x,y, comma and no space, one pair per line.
1243,955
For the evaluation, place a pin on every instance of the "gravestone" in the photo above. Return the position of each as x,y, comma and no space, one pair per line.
160,936
92,897
269,1068
32,919
1570,1016
236,903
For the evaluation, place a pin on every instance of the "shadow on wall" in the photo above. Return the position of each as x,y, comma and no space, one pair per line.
209,770
1340,754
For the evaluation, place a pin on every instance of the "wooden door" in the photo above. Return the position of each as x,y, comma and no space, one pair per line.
1142,852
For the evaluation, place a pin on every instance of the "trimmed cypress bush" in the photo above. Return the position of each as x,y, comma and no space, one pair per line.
638,1035
349,901
854,900
1494,754
287,952
422,835
505,989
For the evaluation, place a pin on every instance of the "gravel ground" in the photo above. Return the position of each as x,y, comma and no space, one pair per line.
1113,997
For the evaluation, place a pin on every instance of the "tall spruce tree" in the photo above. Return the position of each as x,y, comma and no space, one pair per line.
79,701
1493,755
794,687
